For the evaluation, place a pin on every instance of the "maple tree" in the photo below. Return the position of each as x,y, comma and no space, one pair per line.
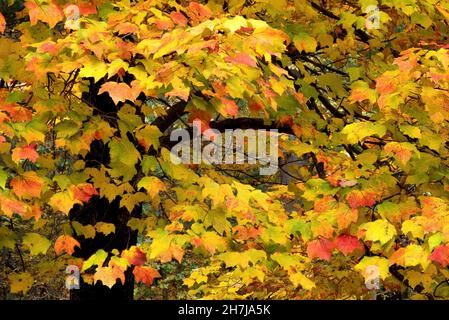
91,90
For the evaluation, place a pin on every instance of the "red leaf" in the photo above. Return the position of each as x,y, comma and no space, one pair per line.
321,249
347,244
441,255
145,275
135,256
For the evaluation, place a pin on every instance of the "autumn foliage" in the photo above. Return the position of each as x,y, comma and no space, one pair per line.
90,91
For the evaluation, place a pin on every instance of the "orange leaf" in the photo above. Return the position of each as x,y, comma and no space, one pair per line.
34,211
83,192
49,13
27,152
179,18
365,198
198,12
119,91
109,275
2,23
67,244
145,274
10,206
28,185
228,107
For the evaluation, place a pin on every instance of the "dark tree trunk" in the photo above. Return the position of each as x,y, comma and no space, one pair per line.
101,210
96,210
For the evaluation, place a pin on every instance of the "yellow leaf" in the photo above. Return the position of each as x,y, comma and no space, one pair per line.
298,279
97,259
379,230
357,131
63,201
368,264
304,42
87,231
36,243
152,184
105,228
20,282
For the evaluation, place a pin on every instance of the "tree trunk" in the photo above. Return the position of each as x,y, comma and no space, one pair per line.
101,210
96,210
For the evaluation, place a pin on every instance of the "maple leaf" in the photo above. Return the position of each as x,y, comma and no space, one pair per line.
402,151
63,201
109,275
87,231
241,58
380,230
48,12
321,248
135,256
10,206
298,279
369,264
66,243
36,243
246,233
362,198
119,92
98,258
145,275
347,244
27,185
26,152
83,192
360,91
152,184
344,215
228,107
198,12
20,282
440,255
410,256
105,228
179,18
2,23
304,42
357,131
148,136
